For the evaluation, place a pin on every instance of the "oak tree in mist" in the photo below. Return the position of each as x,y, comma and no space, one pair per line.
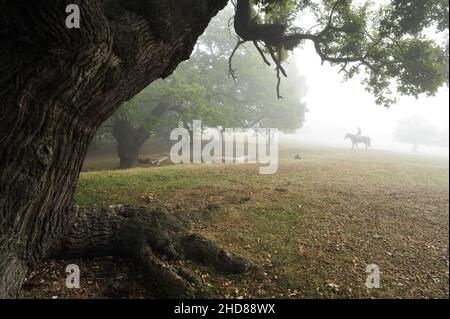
58,85
199,90
416,131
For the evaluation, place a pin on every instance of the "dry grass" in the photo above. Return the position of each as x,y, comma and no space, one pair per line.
315,225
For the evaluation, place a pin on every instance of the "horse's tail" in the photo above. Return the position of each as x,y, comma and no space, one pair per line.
370,142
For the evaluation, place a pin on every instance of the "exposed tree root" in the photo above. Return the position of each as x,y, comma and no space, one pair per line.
153,239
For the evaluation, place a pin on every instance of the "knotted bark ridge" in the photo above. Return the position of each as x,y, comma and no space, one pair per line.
153,239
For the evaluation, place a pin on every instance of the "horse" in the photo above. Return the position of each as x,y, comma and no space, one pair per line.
357,139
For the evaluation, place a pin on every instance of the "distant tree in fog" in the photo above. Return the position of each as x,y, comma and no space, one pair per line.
199,90
416,131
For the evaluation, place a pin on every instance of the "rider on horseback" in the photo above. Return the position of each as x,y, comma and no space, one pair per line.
358,138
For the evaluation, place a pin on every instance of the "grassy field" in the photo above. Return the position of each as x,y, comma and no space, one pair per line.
314,225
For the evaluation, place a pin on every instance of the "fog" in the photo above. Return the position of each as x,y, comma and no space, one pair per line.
337,107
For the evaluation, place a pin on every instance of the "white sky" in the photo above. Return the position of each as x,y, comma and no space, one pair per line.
336,107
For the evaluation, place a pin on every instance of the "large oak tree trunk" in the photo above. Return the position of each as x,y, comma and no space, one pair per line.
57,86
129,142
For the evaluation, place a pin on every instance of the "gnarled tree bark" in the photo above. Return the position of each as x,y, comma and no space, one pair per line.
153,239
57,86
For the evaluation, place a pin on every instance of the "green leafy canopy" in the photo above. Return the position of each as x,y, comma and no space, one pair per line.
397,47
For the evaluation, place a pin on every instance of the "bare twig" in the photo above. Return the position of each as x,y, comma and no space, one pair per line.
261,52
277,62
231,71
278,83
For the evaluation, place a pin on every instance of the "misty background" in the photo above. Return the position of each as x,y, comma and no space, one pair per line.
337,107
